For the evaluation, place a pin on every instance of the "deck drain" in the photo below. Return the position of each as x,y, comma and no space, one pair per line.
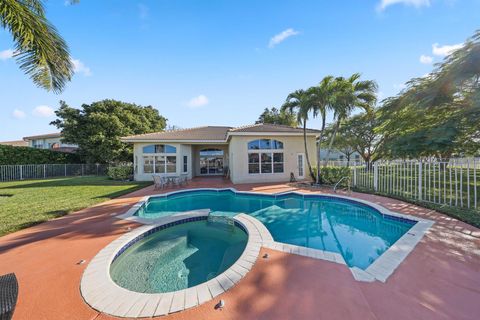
411,234
266,256
220,305
81,262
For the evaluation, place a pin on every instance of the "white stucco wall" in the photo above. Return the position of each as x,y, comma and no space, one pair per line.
182,150
292,146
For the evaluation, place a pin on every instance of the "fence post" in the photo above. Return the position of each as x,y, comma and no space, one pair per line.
97,169
65,169
21,172
420,180
82,170
355,175
44,171
375,177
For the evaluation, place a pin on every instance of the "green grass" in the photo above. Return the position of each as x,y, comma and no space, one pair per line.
470,216
26,203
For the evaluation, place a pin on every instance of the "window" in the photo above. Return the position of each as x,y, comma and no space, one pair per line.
157,159
159,148
263,159
265,144
185,164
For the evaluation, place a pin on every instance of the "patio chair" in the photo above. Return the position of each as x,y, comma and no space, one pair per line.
158,182
8,295
183,181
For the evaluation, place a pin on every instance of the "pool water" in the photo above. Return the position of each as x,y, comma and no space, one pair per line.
358,232
178,257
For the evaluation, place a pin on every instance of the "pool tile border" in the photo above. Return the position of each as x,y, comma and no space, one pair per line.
380,269
101,293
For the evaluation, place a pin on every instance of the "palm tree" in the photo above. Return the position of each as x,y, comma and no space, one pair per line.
301,102
322,95
39,49
349,94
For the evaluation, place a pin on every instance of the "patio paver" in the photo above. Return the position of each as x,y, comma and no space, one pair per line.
440,278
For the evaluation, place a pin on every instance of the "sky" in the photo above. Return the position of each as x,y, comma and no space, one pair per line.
221,62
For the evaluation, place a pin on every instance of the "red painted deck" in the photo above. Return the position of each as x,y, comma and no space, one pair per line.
440,279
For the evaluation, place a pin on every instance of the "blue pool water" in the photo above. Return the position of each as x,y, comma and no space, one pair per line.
358,232
178,257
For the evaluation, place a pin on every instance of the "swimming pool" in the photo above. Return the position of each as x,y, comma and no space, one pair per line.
178,257
360,233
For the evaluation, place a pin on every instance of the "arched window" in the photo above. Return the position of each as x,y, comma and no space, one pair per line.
159,158
159,148
265,144
265,156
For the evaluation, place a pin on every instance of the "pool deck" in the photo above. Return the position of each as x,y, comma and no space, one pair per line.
440,279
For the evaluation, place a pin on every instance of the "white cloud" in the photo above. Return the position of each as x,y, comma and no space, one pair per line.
18,114
43,112
426,59
445,50
6,54
414,3
80,67
197,102
143,11
282,36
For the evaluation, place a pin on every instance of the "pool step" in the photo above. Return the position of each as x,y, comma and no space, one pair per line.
220,220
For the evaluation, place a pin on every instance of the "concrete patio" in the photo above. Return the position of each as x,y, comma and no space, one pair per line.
440,279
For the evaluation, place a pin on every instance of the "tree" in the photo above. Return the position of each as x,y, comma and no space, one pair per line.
39,49
98,127
438,115
275,116
347,95
322,96
301,103
361,132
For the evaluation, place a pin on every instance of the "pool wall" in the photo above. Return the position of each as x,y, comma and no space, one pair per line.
379,270
101,293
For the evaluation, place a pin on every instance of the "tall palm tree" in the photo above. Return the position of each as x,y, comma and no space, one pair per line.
301,102
39,49
322,95
349,94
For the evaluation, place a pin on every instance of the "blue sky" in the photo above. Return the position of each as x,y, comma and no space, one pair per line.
222,62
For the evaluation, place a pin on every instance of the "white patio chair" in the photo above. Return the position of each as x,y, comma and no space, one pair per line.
159,182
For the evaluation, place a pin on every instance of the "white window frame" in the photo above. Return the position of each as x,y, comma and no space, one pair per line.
164,162
269,151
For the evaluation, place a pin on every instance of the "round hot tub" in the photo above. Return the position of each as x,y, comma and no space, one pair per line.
177,264
179,257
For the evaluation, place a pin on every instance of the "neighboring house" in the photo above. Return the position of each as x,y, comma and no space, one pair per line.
16,143
336,155
51,141
255,153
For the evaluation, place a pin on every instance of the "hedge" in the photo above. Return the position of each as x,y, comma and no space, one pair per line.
120,173
331,175
10,155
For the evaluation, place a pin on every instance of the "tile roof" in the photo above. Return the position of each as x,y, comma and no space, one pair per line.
216,133
16,143
212,133
44,136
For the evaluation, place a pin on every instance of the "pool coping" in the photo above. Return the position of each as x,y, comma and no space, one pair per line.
382,268
102,294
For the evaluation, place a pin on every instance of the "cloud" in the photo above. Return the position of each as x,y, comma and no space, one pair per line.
426,59
197,102
19,114
6,54
414,3
43,112
445,50
282,36
142,11
80,67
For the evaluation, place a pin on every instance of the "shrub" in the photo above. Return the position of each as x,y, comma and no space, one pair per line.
10,155
120,172
331,175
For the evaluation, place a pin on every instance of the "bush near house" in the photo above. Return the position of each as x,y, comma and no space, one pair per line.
10,155
120,172
331,175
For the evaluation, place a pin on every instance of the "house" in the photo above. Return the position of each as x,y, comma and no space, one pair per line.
248,154
51,141
15,143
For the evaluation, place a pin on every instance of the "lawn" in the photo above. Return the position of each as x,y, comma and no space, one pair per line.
26,203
